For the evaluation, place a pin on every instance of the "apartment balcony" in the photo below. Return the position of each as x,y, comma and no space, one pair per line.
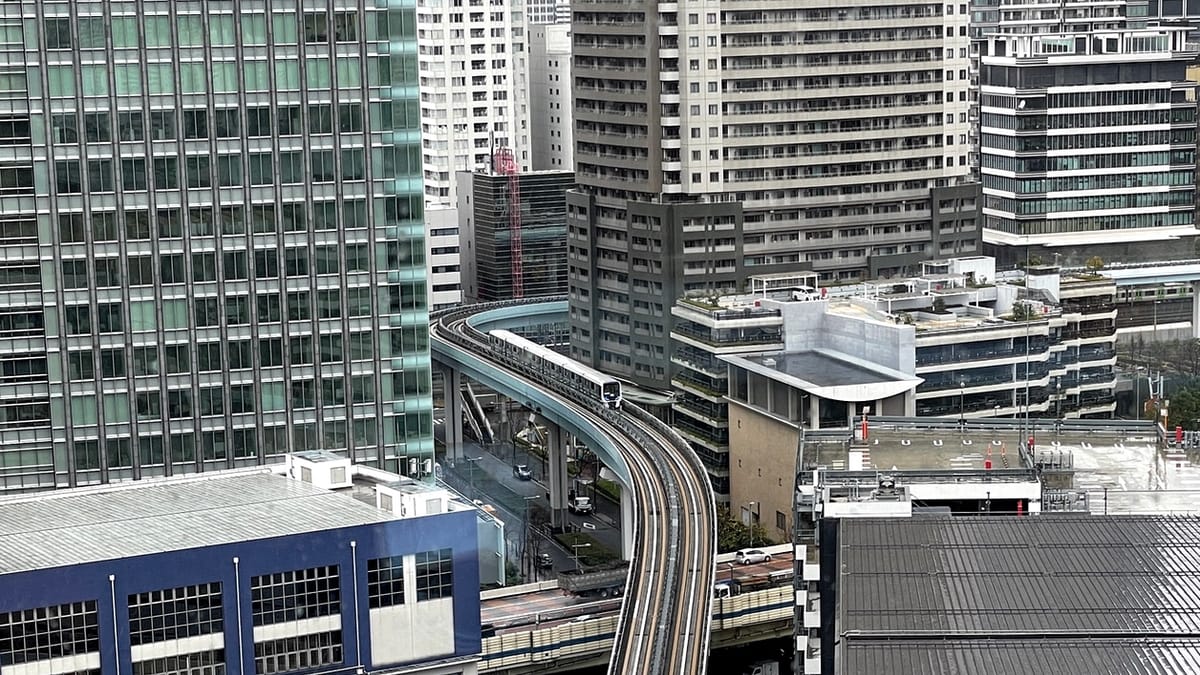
696,387
811,567
710,417
812,614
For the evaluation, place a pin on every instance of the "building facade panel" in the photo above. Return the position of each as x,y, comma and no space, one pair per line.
808,135
1087,142
319,604
215,221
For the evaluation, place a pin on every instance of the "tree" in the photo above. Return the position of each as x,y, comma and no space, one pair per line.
536,518
733,535
939,306
1185,408
1095,264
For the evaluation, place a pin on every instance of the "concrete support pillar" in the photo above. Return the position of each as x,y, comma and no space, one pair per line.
814,412
1196,309
558,477
627,516
452,385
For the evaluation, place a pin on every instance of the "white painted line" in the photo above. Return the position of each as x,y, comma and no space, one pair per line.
588,526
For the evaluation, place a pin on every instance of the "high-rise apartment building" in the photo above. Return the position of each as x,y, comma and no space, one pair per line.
211,217
473,82
720,139
1088,145
552,137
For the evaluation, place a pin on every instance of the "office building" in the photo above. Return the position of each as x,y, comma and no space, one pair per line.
1033,18
444,257
240,571
552,128
473,80
1088,146
515,232
949,343
213,224
712,143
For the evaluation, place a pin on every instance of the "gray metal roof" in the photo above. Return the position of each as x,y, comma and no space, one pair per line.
1024,657
138,518
1097,583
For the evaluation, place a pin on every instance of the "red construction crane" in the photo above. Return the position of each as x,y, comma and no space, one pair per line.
505,163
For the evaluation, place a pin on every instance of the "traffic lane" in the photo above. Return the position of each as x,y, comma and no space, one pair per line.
498,609
733,571
603,524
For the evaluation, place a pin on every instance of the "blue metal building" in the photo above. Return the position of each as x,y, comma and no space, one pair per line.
235,572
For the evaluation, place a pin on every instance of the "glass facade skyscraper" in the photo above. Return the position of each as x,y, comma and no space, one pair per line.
211,236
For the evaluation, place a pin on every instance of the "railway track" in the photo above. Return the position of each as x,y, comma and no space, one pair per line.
665,618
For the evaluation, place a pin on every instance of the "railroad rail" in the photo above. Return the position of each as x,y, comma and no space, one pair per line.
665,618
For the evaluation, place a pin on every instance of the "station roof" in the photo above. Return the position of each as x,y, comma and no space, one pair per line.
828,374
72,527
1006,594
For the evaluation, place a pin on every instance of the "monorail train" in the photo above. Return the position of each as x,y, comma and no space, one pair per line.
594,385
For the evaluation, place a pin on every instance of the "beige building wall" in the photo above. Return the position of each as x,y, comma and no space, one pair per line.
762,468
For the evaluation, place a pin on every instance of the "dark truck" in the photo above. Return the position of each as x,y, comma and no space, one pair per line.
606,583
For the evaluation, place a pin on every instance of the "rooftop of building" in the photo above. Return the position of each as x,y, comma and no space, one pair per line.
917,450
122,520
1120,470
821,369
1005,594
828,374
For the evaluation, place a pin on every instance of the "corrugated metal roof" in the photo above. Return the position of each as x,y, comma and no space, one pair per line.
1025,657
139,518
1108,579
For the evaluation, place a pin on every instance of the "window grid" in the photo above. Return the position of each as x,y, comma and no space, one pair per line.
385,582
113,140
296,594
435,574
175,613
49,632
197,663
298,653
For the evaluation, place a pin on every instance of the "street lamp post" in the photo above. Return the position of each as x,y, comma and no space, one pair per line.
575,552
751,516
472,461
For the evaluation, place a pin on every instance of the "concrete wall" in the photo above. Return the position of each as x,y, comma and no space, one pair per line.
809,325
762,467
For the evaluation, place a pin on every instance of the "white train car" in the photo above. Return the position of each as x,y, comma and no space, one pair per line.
593,384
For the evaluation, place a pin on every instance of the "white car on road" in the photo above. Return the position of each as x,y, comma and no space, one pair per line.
749,556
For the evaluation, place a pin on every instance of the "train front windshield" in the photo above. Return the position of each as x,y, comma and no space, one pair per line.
612,391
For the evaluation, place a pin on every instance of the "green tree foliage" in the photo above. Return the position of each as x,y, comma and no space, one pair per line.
1185,408
733,535
1095,263
1023,311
